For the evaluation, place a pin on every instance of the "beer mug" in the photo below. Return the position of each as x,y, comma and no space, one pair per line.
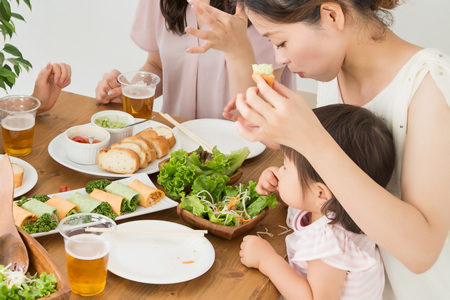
87,239
138,93
18,117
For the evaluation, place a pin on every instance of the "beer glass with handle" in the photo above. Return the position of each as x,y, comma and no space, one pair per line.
18,117
138,93
87,252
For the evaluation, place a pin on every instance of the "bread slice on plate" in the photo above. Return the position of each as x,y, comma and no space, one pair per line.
159,143
119,160
150,152
18,172
147,134
167,134
135,148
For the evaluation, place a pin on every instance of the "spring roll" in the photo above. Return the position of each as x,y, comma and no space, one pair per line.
64,207
114,200
130,196
22,217
149,195
39,208
85,204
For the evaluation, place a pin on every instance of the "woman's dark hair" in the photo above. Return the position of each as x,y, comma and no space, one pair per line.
364,138
308,11
174,11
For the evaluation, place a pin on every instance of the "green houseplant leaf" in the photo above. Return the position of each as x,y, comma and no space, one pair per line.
12,62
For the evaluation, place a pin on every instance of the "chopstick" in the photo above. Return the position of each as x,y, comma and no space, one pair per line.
189,133
190,233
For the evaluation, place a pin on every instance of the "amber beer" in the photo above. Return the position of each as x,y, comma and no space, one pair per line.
18,133
138,101
87,260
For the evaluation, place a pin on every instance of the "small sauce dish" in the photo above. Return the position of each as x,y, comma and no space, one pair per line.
85,153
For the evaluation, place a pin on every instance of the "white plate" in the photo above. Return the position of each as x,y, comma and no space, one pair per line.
220,133
30,176
56,149
159,259
163,204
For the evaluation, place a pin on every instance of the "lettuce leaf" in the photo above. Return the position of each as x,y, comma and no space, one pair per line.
182,169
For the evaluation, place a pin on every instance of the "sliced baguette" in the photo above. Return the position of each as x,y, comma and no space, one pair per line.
160,144
135,148
18,172
147,134
150,152
118,160
167,134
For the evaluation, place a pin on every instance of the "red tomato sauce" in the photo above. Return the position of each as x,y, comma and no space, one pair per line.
79,139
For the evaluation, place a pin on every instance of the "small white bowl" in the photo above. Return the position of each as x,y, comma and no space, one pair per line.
83,153
113,116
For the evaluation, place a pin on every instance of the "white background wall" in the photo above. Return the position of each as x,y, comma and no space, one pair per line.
93,37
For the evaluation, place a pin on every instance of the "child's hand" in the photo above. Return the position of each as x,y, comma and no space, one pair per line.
268,181
254,249
49,83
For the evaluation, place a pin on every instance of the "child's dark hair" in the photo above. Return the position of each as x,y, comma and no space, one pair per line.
364,138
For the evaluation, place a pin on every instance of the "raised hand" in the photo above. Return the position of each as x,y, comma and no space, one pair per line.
49,83
226,32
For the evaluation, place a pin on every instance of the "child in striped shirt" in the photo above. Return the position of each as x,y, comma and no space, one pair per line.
329,256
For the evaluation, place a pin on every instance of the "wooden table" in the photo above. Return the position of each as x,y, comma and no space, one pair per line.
227,278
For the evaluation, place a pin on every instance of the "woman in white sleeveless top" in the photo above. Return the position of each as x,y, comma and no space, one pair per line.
346,45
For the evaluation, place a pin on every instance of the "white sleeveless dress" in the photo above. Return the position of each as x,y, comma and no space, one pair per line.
392,104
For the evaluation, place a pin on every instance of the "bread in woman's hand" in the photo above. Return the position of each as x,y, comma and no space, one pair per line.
119,160
265,71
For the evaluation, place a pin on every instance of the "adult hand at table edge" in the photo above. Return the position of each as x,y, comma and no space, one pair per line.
109,89
49,83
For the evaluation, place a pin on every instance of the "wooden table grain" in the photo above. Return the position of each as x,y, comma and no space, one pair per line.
227,278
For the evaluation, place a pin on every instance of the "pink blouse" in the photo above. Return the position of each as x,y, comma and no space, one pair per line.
194,85
355,253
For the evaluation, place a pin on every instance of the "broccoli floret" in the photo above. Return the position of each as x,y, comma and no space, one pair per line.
44,223
105,209
42,198
97,184
22,201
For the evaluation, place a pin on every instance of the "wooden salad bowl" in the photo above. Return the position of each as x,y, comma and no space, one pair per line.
226,232
40,261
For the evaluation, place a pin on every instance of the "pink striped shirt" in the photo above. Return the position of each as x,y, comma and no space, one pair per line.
339,248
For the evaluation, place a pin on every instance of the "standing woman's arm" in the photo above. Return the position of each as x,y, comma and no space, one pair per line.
413,230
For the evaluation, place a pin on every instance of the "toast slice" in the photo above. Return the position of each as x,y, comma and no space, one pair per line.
18,172
167,134
265,71
135,147
118,160
150,152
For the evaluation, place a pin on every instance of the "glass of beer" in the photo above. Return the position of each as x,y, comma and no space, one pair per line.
18,117
87,239
138,92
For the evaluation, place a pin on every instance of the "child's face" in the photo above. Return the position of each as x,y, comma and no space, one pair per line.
290,189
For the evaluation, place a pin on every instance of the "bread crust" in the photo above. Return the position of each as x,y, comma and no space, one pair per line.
126,157
144,144
268,78
18,172
167,134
